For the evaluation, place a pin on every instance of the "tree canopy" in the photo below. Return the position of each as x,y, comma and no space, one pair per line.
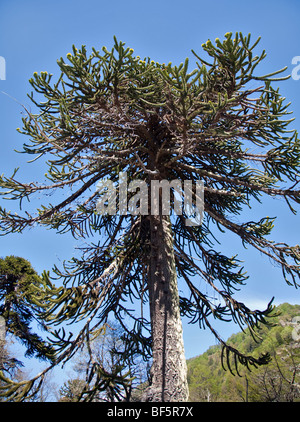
110,112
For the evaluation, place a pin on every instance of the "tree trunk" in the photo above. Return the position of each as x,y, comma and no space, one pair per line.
169,370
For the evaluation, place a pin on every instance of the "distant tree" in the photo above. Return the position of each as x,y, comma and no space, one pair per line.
111,112
279,381
71,390
106,351
20,290
9,365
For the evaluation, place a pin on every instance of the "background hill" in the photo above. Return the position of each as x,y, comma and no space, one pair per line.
277,381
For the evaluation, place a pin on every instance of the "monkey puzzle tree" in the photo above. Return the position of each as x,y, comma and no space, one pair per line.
21,290
110,112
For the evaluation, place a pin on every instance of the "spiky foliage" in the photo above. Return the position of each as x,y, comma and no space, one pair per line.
21,291
111,111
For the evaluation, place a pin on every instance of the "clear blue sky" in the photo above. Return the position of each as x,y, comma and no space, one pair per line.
34,34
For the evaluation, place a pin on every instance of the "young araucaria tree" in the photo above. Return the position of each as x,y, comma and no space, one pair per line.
109,113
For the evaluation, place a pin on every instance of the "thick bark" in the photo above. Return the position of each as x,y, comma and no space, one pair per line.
169,371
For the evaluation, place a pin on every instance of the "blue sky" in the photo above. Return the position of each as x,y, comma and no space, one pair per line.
34,34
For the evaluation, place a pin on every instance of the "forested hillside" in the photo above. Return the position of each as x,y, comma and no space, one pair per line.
277,381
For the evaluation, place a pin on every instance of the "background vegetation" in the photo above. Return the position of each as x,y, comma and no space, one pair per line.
277,381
